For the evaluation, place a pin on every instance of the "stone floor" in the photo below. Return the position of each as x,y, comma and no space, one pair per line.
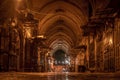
58,76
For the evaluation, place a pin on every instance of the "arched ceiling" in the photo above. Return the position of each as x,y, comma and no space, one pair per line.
60,20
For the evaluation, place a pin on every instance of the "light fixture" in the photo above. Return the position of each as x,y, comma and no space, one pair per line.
110,41
40,36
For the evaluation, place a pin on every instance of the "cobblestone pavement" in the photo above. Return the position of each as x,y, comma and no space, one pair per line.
58,76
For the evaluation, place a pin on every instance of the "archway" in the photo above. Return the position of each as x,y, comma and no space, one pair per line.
59,57
61,60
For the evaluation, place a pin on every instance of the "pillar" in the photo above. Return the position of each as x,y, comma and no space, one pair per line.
22,55
88,52
46,61
95,52
38,59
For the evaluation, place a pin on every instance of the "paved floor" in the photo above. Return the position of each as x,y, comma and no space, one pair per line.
58,76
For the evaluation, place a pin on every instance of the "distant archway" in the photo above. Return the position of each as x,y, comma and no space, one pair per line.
59,57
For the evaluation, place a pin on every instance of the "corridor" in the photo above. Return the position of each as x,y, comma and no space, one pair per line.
59,39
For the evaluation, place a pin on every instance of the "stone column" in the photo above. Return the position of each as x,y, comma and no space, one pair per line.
46,61
87,52
38,59
23,55
95,53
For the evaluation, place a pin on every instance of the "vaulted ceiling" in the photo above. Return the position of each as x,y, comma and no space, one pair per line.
59,20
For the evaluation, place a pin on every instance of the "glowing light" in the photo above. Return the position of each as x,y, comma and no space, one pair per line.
19,0
110,41
28,32
40,36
